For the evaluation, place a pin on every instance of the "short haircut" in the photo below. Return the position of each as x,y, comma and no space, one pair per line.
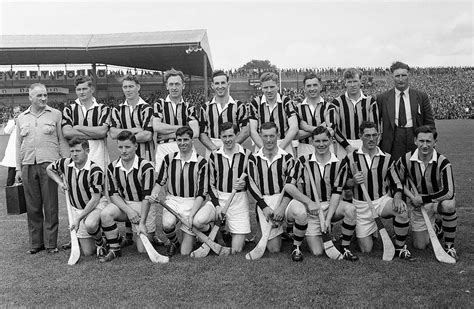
351,73
399,65
79,141
267,76
321,130
185,130
367,125
132,78
219,73
36,85
268,126
426,129
81,79
126,135
311,76
228,125
173,72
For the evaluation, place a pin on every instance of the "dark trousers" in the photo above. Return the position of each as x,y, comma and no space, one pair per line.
41,196
403,142
11,176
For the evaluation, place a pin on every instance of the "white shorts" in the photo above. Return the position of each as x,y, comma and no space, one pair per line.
81,231
314,225
218,142
161,150
416,218
237,215
150,219
98,153
365,221
184,205
271,201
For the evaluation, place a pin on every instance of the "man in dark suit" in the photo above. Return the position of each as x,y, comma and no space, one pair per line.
399,121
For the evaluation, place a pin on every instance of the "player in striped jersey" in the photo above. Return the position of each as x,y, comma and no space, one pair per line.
271,107
432,175
130,180
374,168
84,181
170,115
185,175
87,119
324,167
222,108
134,115
268,170
353,107
226,166
313,112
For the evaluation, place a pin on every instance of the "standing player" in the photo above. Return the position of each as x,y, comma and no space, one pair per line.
84,180
375,170
87,119
222,108
185,175
353,107
134,115
171,114
313,112
226,166
268,171
324,167
271,107
130,180
432,175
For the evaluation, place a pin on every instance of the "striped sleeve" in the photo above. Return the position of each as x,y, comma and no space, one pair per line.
59,166
111,181
374,114
191,113
253,179
204,119
242,117
115,118
341,178
253,110
96,179
290,109
67,116
334,117
158,110
447,184
393,178
212,180
147,179
296,172
147,114
104,117
202,185
163,172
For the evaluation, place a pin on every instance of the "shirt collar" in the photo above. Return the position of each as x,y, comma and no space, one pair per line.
94,103
405,92
280,153
414,157
168,99
231,100
264,99
134,166
46,109
86,166
332,159
378,153
362,96
140,101
305,102
193,157
239,149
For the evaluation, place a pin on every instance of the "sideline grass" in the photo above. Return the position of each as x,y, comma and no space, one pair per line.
274,281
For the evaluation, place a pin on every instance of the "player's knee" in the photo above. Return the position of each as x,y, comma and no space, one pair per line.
403,217
200,223
350,214
316,250
106,215
300,216
365,244
91,226
448,206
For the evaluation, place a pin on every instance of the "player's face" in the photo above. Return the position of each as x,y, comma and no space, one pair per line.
84,92
130,89
127,150
269,138
220,85
79,154
321,143
425,143
185,143
228,138
370,138
353,85
312,88
175,87
270,89
16,112
400,77
38,97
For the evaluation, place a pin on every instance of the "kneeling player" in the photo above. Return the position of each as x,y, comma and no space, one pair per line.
324,168
226,166
436,194
371,166
84,181
130,179
185,174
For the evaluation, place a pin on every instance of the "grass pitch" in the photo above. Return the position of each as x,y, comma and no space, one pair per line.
274,281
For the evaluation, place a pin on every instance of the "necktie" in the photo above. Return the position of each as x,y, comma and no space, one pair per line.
402,114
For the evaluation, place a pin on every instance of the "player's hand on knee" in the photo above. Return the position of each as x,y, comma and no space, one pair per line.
417,201
399,206
133,217
142,228
268,212
279,214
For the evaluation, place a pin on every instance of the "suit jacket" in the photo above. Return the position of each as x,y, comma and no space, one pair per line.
420,110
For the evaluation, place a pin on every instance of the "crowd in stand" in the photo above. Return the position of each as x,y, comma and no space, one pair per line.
449,89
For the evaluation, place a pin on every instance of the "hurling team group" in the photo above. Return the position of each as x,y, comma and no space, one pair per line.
305,166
